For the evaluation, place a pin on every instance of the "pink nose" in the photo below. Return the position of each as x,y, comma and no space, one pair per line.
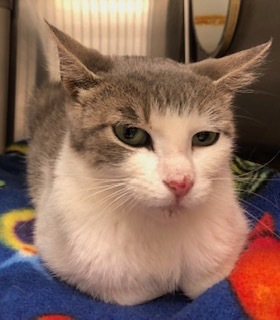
180,187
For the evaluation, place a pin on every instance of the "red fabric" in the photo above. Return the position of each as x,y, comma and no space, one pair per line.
256,277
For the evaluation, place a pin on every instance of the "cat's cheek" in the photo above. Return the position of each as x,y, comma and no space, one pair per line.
213,161
199,194
144,181
211,168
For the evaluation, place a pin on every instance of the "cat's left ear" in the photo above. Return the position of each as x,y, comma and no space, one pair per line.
75,74
234,72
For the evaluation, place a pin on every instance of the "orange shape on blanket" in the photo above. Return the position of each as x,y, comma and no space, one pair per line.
256,277
55,317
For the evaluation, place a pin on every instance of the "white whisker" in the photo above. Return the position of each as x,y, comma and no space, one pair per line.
259,196
102,188
125,193
262,223
112,194
105,210
261,166
100,179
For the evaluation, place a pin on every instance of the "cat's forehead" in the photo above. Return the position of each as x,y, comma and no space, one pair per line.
139,90
165,84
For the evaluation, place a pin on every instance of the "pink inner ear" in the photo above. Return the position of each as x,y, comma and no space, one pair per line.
180,187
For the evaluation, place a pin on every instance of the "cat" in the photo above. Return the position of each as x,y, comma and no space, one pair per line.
129,171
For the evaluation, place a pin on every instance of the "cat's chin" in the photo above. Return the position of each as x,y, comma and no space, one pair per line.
174,210
167,213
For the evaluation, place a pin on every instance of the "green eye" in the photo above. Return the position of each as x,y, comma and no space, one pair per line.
135,137
205,138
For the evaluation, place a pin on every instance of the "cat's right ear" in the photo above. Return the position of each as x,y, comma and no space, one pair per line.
79,66
234,72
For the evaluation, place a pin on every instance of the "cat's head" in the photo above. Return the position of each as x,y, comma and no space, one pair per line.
165,131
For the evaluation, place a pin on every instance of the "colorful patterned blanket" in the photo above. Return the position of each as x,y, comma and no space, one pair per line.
29,292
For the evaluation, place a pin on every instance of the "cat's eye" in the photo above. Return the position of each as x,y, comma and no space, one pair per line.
205,138
135,137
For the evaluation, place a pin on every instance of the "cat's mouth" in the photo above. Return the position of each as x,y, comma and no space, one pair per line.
175,208
172,212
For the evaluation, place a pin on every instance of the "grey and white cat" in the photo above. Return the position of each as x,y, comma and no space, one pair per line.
129,172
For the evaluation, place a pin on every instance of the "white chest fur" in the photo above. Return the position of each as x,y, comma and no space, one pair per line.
129,257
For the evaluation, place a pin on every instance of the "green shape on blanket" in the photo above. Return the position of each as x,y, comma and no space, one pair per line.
2,183
250,177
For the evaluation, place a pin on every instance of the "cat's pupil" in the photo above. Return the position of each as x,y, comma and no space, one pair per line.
129,133
203,136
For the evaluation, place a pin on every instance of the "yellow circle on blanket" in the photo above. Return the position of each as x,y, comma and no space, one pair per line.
16,230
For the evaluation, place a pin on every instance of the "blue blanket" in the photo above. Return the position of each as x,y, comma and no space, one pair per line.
28,291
